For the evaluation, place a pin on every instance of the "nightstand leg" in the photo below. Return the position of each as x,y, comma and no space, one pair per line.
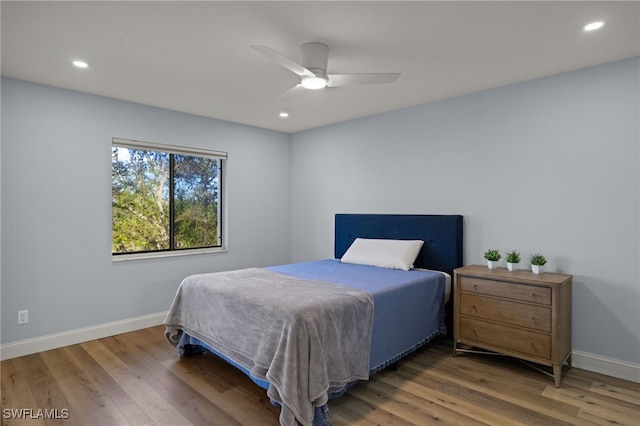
557,374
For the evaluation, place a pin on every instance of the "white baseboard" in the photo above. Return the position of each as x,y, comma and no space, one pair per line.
608,366
73,337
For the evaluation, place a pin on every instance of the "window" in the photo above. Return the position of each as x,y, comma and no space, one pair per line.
164,198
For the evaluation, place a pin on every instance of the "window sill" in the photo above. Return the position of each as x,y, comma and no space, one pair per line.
164,254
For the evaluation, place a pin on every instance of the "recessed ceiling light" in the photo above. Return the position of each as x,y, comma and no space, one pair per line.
284,114
594,26
80,64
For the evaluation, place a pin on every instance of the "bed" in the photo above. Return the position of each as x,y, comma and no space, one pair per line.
307,331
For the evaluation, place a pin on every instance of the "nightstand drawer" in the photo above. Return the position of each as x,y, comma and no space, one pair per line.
506,311
512,339
527,293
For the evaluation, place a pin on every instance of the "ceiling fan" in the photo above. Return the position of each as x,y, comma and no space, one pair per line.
312,68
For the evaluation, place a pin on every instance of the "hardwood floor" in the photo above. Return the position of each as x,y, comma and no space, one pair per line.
137,379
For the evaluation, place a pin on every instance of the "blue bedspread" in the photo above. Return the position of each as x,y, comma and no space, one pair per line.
408,305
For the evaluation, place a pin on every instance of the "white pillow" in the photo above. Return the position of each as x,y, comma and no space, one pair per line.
393,254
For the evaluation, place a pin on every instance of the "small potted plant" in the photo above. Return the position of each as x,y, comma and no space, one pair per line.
492,257
537,262
513,260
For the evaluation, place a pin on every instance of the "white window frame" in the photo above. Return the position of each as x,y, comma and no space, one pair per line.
189,151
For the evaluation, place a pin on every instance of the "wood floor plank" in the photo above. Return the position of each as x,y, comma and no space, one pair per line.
177,396
414,404
590,376
506,370
81,389
502,405
595,405
579,397
16,393
134,414
464,409
588,418
362,409
46,391
244,407
160,350
137,387
617,393
340,415
521,391
609,395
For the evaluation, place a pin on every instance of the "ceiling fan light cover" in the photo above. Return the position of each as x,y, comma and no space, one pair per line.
314,83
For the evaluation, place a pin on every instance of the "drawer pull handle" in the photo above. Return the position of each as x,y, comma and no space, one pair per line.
533,346
474,308
475,334
475,286
532,295
534,319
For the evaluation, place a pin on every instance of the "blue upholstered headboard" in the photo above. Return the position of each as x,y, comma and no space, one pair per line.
442,235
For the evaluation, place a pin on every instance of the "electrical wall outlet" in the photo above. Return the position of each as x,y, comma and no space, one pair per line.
23,316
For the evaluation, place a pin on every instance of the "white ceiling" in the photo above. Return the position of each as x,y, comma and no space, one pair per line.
195,57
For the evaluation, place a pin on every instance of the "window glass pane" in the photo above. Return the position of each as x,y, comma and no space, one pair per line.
165,197
196,201
140,200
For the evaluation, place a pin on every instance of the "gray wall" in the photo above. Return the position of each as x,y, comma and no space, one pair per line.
550,165
56,213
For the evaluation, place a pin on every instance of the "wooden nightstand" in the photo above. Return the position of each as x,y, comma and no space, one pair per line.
519,314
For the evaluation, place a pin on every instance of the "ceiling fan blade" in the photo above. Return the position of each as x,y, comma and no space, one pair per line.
337,80
292,93
279,58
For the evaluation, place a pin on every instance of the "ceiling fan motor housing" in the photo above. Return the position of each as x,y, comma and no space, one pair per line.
314,57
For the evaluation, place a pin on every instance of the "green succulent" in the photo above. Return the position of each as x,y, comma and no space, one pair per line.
493,255
513,256
538,259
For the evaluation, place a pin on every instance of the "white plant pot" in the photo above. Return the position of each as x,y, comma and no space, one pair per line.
492,264
513,266
536,269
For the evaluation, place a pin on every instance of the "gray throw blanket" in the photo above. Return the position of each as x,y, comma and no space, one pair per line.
302,336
